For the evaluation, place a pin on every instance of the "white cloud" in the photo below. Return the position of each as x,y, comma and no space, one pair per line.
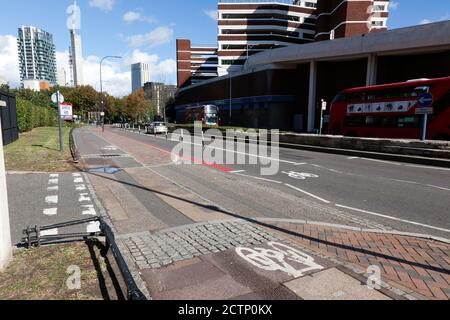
156,37
117,74
443,18
104,5
133,16
212,14
9,60
425,21
393,5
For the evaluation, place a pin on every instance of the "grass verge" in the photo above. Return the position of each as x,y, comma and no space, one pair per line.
42,274
38,150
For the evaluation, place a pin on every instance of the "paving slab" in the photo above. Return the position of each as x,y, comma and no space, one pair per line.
332,284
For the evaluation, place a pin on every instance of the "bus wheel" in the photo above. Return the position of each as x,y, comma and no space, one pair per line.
442,137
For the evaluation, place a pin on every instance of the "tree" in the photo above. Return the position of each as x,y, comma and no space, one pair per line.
136,108
83,98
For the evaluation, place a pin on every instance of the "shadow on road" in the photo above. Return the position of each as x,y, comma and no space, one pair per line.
288,232
92,244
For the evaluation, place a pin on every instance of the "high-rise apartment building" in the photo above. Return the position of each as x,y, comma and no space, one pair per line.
37,58
246,27
140,74
76,58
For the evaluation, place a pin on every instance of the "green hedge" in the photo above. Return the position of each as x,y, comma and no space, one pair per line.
30,116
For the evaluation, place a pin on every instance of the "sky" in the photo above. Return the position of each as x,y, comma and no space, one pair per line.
143,31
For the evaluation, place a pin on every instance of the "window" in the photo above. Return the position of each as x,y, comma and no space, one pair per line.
392,93
310,4
379,8
383,122
378,23
233,62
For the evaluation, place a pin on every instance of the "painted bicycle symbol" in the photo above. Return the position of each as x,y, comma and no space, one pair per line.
280,258
300,175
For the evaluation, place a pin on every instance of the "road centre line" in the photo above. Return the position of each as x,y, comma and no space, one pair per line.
426,167
404,181
392,218
437,187
258,178
308,193
237,171
382,161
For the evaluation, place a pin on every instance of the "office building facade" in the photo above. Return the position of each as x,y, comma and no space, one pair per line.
37,58
140,74
195,63
249,27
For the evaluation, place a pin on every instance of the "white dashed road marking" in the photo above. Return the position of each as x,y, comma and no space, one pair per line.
258,178
50,211
89,210
93,227
51,199
53,181
80,187
392,218
84,197
51,232
308,194
54,188
78,180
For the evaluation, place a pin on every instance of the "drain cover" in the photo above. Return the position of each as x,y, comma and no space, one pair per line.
108,170
110,155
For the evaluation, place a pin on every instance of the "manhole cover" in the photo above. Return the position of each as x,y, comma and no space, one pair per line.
108,170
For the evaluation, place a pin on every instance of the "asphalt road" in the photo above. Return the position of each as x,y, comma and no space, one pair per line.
40,199
313,186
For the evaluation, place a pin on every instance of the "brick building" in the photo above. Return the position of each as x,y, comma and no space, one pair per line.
249,27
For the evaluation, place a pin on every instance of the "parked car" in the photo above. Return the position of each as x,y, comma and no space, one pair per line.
157,127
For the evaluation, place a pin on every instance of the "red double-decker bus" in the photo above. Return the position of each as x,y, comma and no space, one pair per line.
391,111
207,114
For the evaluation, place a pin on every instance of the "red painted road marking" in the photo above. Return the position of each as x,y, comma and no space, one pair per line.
191,159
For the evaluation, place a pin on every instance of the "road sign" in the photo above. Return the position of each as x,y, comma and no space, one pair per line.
424,110
2,103
55,97
66,111
426,100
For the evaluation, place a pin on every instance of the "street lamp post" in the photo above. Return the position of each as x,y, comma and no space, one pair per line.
102,106
231,92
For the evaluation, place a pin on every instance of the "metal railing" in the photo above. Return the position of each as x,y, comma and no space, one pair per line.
33,238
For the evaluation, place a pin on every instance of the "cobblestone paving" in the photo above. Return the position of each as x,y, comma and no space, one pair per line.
153,251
